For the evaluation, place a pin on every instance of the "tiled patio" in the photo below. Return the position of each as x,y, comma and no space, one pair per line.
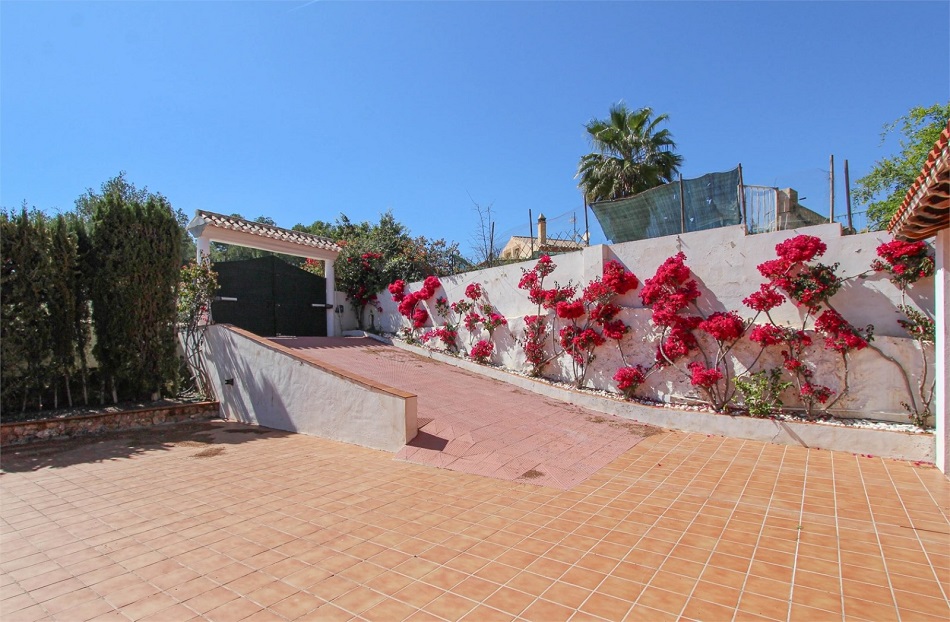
223,522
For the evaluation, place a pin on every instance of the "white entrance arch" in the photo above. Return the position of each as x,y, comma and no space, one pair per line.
207,227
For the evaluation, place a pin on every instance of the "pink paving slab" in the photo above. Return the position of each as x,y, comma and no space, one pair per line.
478,425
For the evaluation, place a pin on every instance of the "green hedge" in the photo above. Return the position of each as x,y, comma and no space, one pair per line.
111,270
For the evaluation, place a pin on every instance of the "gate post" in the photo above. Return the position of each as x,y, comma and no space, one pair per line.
331,298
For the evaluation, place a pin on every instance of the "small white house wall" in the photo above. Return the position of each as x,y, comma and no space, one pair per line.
274,388
724,263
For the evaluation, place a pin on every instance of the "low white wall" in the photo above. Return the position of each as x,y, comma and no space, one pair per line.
880,443
724,263
276,388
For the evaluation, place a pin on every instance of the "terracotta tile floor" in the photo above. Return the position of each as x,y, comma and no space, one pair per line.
477,425
227,522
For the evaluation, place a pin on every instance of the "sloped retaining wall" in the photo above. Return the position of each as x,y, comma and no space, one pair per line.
264,383
22,432
880,443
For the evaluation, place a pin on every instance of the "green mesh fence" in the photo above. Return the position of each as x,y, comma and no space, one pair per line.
709,202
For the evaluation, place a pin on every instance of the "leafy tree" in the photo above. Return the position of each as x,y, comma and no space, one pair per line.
883,189
25,329
375,255
120,186
632,154
136,251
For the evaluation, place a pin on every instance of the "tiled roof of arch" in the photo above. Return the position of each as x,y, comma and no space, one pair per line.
926,207
267,231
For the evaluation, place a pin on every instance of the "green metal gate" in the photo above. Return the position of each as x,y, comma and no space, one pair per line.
271,298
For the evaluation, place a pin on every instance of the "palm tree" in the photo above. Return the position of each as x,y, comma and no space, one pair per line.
632,155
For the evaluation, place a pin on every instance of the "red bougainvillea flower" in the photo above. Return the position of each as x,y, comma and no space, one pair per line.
840,335
528,280
908,262
801,248
429,287
604,313
629,378
618,278
493,320
765,299
397,289
570,310
815,393
597,292
723,326
473,291
678,343
555,295
544,266
671,274
704,377
767,334
419,318
776,270
471,321
615,329
481,352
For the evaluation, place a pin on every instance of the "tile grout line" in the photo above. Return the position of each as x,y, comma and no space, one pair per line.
798,540
940,585
765,514
877,536
706,563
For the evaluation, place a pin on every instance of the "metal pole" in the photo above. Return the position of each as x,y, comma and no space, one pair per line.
745,216
847,195
832,188
682,207
531,232
491,246
586,224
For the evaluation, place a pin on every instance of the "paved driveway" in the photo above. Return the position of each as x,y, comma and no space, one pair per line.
477,425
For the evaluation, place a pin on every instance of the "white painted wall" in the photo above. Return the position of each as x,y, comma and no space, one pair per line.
723,261
273,387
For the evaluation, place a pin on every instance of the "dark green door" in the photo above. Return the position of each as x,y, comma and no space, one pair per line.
270,297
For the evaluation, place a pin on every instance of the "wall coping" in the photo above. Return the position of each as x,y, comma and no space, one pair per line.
332,369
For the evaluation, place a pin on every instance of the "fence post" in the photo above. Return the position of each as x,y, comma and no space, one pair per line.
832,189
586,224
847,195
531,232
745,215
682,207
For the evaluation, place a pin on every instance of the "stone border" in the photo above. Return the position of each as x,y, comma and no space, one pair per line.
24,432
879,443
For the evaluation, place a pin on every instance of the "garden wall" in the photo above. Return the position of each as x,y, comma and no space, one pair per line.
724,263
21,432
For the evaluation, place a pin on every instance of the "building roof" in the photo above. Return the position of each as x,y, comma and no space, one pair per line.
240,225
926,207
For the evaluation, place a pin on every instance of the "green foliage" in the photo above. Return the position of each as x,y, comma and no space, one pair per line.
136,252
760,392
44,329
197,286
406,257
883,189
375,255
631,156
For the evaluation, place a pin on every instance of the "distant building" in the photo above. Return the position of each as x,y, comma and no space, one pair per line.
524,247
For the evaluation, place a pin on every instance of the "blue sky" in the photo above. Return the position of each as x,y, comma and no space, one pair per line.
300,111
